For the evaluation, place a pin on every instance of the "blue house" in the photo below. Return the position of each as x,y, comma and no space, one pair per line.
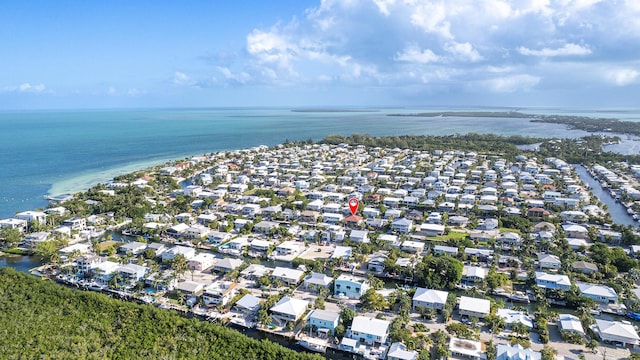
350,286
324,321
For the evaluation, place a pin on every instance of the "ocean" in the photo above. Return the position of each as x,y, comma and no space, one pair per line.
55,152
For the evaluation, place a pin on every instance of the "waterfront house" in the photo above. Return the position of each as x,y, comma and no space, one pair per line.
32,216
350,286
511,317
623,333
178,230
516,352
187,252
428,298
76,223
474,307
133,272
265,226
508,240
13,223
473,275
81,248
341,253
132,248
190,288
218,237
399,351
368,330
219,293
288,309
324,321
103,271
247,305
570,322
599,293
375,263
255,272
553,281
85,263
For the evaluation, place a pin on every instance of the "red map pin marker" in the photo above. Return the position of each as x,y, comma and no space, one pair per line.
353,205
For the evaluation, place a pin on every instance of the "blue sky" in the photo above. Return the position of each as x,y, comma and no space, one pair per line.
73,54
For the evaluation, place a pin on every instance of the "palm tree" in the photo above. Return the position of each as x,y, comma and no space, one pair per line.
179,265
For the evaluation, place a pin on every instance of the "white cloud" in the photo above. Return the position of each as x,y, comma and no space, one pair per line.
464,51
414,55
241,77
508,84
505,46
111,91
622,77
26,88
180,78
566,50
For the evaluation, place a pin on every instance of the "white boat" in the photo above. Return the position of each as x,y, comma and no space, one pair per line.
314,344
518,296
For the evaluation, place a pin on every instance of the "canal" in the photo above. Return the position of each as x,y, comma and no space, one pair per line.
617,210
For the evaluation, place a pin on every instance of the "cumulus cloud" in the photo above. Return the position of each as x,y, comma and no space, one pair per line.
448,44
415,55
622,77
566,50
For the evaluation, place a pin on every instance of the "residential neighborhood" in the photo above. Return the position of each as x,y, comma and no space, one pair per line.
448,253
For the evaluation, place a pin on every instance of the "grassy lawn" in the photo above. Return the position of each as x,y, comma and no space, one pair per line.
103,246
510,230
452,235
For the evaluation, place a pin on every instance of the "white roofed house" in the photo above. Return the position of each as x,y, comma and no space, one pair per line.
185,251
416,247
287,276
197,232
202,261
445,250
288,309
553,281
473,275
428,298
399,351
19,224
133,248
511,317
32,216
315,281
178,230
361,236
368,330
568,322
431,229
549,261
227,264
508,240
219,293
132,273
575,231
474,307
623,333
599,293
402,225
516,352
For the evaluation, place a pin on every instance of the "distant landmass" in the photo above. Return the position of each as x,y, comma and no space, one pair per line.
573,122
333,110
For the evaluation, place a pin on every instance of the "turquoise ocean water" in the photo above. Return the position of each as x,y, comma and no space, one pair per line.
55,152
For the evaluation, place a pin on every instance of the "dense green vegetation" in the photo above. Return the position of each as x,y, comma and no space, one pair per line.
46,321
587,149
485,143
